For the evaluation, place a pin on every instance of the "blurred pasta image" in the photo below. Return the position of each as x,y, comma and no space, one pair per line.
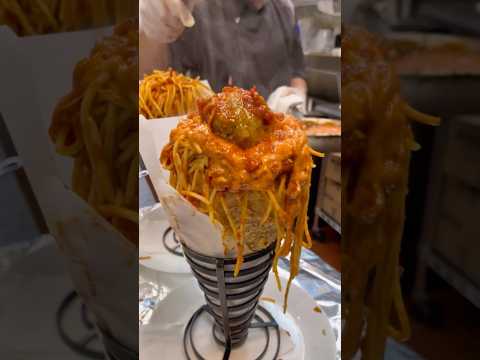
377,142
27,17
96,125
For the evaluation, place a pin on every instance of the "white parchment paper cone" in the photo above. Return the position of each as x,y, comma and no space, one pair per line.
193,227
36,71
101,261
103,264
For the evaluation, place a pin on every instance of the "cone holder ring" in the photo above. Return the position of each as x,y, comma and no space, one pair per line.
216,279
79,346
176,248
115,350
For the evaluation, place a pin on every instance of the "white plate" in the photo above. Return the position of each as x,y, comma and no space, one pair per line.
153,224
309,333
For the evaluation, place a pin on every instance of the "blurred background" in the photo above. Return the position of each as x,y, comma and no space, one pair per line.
434,45
41,315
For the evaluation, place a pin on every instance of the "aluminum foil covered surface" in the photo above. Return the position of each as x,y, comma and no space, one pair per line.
323,283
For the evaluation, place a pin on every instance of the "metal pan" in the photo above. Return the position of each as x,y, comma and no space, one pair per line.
323,75
325,143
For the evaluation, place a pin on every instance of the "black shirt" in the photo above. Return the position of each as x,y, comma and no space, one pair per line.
232,40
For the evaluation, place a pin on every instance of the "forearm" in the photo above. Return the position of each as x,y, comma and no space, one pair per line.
300,84
153,55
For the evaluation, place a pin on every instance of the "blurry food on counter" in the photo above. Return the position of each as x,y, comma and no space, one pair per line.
323,134
375,163
433,54
168,93
249,170
322,127
27,17
101,136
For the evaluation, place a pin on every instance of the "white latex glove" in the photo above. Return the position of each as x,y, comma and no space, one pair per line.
165,20
327,7
286,97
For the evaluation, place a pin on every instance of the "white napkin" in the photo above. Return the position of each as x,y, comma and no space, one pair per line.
284,98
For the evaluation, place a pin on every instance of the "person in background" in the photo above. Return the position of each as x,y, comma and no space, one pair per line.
230,42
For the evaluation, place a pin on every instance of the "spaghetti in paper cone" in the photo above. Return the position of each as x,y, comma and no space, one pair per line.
248,170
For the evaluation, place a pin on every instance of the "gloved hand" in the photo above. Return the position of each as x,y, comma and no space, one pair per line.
165,20
284,98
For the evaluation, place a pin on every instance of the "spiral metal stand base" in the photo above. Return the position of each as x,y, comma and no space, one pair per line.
231,300
269,324
114,349
171,242
82,346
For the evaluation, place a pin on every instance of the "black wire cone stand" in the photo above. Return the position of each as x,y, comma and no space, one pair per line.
232,301
115,350
171,242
